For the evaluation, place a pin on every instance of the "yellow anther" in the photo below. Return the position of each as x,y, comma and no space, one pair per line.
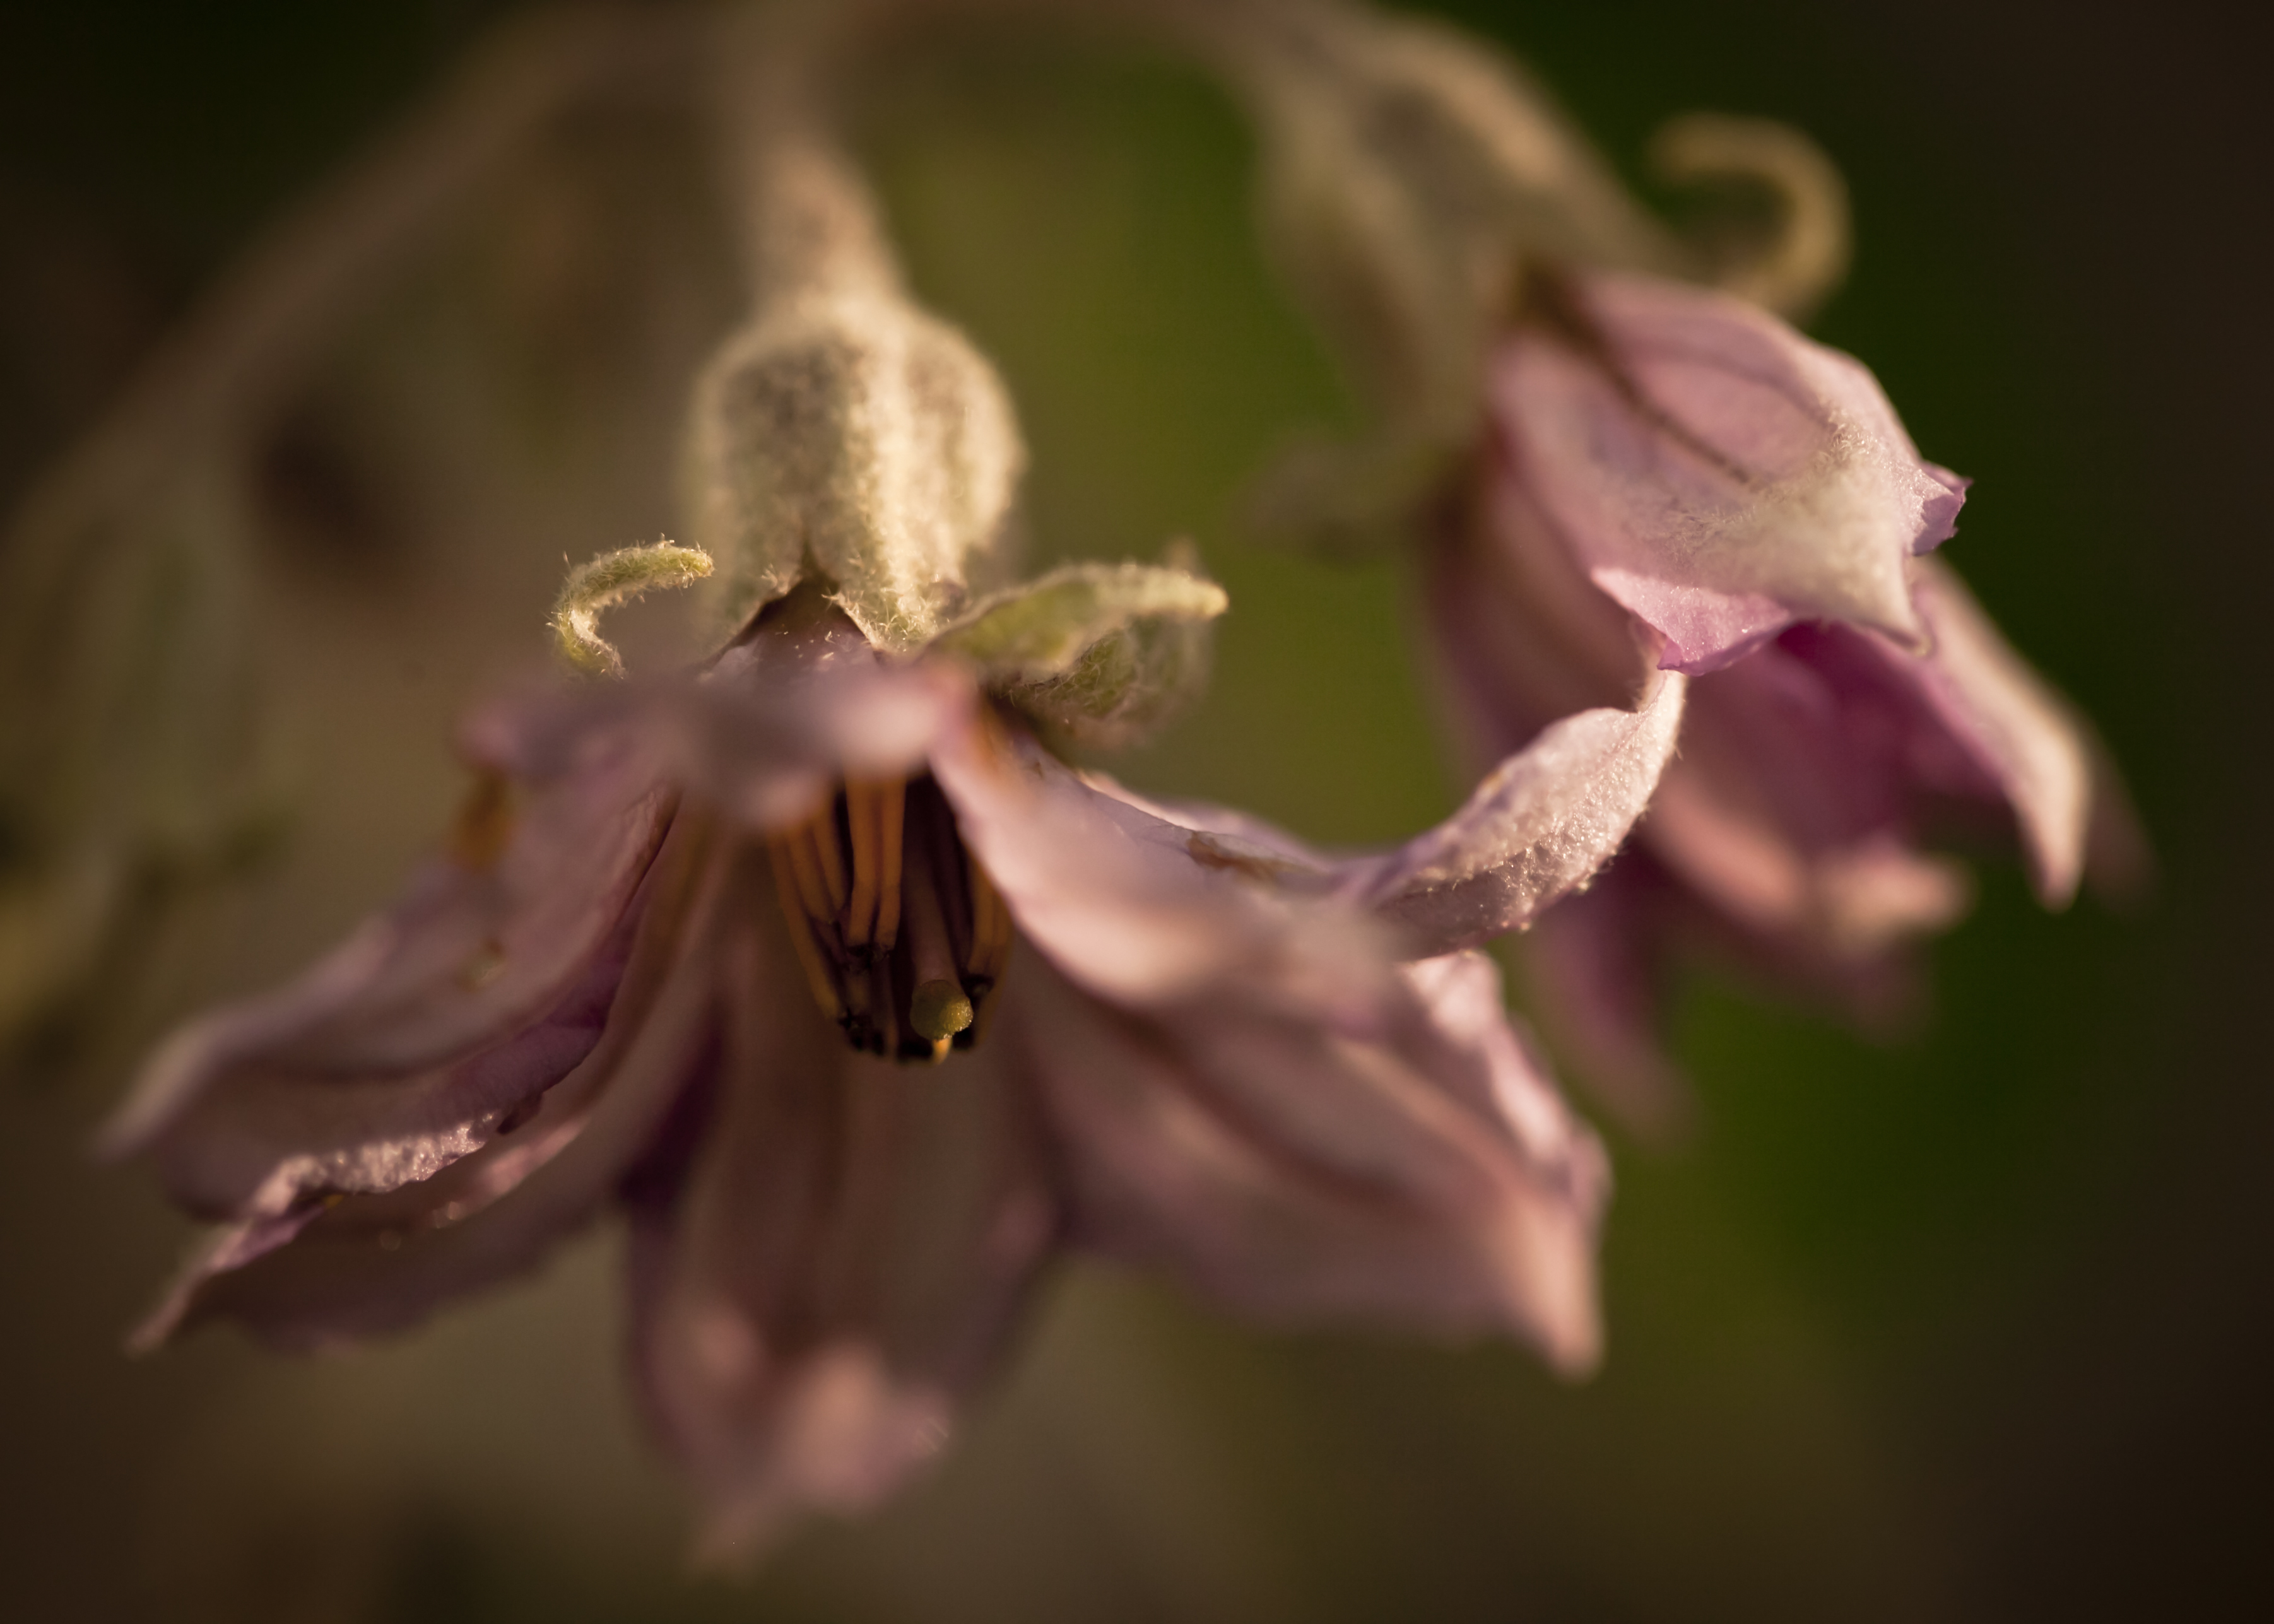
822,835
991,927
861,818
805,872
799,925
892,821
900,933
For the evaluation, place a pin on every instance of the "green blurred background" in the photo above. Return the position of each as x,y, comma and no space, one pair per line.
1970,1324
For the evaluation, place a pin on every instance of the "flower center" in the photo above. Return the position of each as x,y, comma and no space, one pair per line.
902,935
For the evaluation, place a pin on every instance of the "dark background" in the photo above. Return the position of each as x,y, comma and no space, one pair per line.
1973,1325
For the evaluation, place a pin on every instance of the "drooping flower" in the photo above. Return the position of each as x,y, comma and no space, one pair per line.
1619,473
682,934
1674,478
694,940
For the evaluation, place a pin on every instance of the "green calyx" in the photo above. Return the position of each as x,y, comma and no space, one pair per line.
1099,653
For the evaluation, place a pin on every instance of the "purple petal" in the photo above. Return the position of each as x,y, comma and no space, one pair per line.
369,1264
1130,894
2021,735
828,1267
1591,967
1353,1140
1521,637
405,1048
765,735
1716,472
1139,908
1849,899
1430,1180
1539,828
1596,965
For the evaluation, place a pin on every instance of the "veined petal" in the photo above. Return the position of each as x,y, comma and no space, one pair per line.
405,1048
827,1263
1249,1092
1798,795
1428,1178
364,1264
1717,473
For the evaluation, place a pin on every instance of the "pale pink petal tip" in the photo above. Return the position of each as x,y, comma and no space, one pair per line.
849,1437
2028,739
1716,472
1539,828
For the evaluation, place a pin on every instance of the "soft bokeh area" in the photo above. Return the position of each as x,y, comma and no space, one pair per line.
1969,1322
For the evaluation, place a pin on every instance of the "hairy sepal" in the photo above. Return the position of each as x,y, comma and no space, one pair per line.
1097,653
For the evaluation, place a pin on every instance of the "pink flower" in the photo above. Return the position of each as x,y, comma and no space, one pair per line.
1675,477
683,932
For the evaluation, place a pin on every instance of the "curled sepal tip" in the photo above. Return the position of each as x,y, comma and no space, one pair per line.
1099,652
1791,261
608,581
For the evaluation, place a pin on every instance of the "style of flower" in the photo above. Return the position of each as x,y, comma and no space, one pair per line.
1672,478
685,932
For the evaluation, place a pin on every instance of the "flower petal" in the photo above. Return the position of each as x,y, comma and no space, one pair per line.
1521,635
405,1048
1137,908
1429,1180
827,1267
2026,739
1591,964
1716,472
365,1265
1140,898
1539,828
1800,787
763,735
1846,901
1598,965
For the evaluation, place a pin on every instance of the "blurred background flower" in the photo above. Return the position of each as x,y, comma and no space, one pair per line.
1968,1324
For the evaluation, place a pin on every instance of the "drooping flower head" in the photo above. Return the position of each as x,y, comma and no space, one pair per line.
687,938
817,964
1675,462
1617,471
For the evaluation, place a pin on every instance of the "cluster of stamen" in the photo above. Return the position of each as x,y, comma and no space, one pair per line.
902,935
